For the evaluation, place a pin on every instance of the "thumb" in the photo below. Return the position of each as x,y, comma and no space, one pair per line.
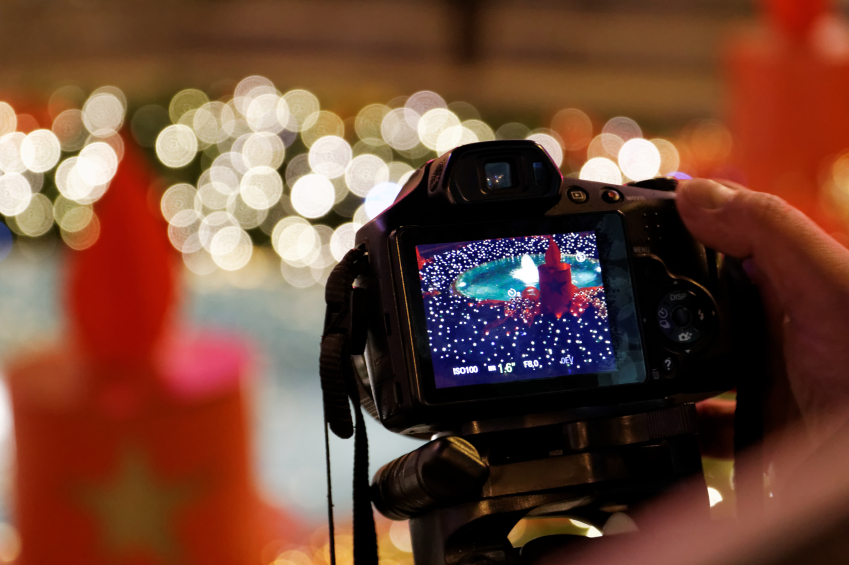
786,247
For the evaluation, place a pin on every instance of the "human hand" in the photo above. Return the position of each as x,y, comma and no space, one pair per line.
803,276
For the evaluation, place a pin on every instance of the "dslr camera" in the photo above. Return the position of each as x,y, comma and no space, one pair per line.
548,334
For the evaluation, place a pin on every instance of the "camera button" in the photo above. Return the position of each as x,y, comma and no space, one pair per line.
682,316
611,195
577,195
668,366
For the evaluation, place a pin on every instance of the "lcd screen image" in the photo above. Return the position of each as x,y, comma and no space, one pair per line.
513,309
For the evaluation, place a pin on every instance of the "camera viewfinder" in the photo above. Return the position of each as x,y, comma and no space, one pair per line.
498,175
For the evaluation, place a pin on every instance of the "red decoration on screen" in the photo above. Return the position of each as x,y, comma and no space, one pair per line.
121,289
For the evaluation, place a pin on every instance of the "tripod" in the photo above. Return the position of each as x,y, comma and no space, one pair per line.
463,495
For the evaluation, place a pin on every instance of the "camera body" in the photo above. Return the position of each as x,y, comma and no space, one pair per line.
499,292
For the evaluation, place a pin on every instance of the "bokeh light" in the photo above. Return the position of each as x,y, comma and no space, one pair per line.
364,172
185,101
551,145
40,150
574,128
323,124
10,152
329,156
605,145
15,194
639,159
313,196
8,119
231,248
623,128
37,219
176,146
261,187
670,160
433,123
381,197
601,169
70,130
302,109
103,114
398,130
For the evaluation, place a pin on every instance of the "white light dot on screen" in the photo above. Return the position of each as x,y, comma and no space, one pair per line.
433,123
551,146
8,119
40,150
103,114
454,137
98,163
262,113
85,237
397,131
37,219
212,224
295,240
329,156
481,130
10,152
574,128
185,101
369,119
261,187
303,109
69,129
231,248
178,198
299,277
399,533
263,150
639,159
15,194
622,127
325,123
380,198
669,158
343,240
313,196
176,146
364,172
605,145
601,169
424,101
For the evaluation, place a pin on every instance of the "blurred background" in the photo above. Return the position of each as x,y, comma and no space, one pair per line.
177,179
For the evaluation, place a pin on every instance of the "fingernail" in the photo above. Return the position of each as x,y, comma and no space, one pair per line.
705,194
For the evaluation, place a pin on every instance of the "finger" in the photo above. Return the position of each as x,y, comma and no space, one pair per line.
716,427
784,245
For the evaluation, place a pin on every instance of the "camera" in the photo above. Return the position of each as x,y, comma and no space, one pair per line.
497,289
549,335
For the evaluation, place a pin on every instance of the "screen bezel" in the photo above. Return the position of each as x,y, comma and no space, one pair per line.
408,238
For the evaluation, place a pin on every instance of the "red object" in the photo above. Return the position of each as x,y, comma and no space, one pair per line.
794,17
132,443
555,282
788,112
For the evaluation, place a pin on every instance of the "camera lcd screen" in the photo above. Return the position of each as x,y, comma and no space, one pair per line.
526,308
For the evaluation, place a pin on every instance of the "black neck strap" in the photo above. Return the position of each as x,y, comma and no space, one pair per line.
338,385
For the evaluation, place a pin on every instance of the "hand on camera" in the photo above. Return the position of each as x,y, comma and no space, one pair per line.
803,276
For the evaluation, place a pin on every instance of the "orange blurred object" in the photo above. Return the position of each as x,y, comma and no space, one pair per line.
788,113
132,442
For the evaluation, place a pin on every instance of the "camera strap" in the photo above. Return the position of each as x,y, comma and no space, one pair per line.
342,338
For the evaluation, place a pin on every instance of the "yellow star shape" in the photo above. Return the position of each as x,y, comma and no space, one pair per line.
134,508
